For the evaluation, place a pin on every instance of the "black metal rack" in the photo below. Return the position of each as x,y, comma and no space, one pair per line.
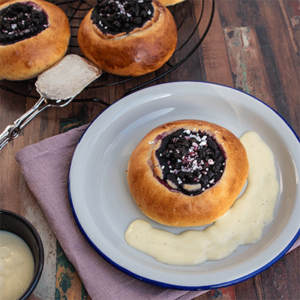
77,9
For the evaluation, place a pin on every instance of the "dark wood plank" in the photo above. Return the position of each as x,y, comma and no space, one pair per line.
215,58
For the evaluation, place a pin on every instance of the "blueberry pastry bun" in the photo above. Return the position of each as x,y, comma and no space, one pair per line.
34,35
187,173
128,37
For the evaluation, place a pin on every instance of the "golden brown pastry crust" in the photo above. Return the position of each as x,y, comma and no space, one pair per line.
141,51
170,2
174,208
30,57
3,1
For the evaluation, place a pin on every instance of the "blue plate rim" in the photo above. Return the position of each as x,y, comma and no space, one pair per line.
163,284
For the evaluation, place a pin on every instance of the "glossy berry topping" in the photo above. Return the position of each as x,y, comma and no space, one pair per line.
191,161
20,21
118,16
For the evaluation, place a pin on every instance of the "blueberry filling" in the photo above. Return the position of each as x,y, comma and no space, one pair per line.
191,162
118,16
20,21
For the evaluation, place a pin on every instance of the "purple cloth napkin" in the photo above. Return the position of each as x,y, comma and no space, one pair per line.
45,168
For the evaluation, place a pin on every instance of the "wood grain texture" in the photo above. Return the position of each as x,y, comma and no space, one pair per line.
68,283
253,46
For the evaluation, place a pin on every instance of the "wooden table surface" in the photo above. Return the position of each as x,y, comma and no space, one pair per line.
252,45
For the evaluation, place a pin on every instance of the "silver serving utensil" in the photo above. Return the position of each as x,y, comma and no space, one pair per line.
57,87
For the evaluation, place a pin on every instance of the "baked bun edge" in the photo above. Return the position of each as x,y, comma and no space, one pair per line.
170,2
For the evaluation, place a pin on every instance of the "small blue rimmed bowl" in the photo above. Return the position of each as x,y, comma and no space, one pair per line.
14,223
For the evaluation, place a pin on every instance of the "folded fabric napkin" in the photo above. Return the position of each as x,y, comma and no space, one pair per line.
45,167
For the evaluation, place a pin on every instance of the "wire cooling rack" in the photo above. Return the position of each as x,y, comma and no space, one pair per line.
201,11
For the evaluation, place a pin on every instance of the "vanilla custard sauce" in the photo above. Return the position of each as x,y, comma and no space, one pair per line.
16,266
242,224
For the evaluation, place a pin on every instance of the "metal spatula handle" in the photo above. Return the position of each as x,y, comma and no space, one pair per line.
57,86
12,131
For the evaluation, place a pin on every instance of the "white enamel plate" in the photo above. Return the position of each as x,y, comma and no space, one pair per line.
101,200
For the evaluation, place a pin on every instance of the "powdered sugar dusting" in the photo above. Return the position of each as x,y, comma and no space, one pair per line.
191,160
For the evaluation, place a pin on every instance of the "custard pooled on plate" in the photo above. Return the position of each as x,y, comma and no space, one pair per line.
187,173
128,37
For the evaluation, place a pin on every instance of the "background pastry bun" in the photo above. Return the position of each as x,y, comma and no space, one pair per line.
142,50
29,54
190,204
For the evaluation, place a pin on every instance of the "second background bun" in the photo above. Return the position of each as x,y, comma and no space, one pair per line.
140,51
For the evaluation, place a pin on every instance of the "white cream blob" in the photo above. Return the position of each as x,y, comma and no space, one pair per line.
242,224
16,266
